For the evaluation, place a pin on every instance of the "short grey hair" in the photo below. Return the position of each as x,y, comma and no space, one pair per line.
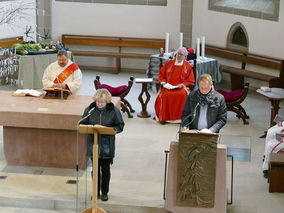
62,52
206,77
102,94
183,49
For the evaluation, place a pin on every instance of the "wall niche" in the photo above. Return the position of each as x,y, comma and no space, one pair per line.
237,37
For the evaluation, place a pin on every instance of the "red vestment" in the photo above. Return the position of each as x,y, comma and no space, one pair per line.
169,103
66,73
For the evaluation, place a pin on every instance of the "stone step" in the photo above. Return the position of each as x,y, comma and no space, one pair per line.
27,205
28,210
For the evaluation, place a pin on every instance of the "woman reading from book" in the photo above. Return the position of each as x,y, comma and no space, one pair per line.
103,112
205,109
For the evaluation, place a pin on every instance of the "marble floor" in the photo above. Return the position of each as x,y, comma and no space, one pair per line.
138,169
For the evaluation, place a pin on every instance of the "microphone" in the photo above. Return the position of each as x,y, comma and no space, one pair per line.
91,110
189,115
89,113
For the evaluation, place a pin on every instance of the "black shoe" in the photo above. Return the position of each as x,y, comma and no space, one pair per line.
265,173
104,197
163,122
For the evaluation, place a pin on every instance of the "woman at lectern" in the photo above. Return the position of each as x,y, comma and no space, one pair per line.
103,112
205,109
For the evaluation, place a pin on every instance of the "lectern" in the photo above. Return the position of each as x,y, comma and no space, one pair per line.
56,93
196,180
196,169
96,130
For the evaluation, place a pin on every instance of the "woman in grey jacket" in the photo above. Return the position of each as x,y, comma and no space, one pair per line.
204,109
103,112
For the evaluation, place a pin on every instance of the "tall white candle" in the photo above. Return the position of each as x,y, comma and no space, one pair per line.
181,39
198,48
203,46
167,42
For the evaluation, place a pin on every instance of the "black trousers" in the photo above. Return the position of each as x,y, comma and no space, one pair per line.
103,175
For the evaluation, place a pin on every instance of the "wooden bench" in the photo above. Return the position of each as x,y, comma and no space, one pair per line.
238,73
8,42
117,42
276,172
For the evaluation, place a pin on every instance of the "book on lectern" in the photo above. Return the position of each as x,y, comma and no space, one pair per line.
56,93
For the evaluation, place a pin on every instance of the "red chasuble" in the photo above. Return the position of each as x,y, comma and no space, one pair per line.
66,73
169,103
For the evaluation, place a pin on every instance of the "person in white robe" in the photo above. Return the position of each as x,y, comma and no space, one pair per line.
73,82
272,144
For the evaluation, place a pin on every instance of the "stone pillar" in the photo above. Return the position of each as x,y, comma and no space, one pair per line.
186,21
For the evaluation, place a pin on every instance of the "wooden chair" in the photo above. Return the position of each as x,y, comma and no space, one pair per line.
120,91
234,104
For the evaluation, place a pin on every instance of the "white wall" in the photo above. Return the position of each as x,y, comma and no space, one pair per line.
117,20
265,37
18,25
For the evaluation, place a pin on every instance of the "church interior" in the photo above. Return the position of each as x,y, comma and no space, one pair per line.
235,41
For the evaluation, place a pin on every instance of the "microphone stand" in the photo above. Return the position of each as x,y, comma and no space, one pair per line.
189,115
61,92
77,157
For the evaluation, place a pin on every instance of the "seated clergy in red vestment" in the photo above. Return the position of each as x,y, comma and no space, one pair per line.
175,76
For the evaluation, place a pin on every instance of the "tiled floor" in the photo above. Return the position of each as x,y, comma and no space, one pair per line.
138,169
238,146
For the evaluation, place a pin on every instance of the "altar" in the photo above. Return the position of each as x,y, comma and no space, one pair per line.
43,132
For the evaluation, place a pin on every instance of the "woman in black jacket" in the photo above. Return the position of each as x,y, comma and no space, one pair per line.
205,109
103,112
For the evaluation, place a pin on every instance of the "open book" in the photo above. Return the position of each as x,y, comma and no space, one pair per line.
55,89
27,92
203,131
56,93
169,86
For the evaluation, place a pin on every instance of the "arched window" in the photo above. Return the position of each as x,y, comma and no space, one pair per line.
237,37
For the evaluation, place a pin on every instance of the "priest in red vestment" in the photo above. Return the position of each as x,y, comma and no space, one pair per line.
175,76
